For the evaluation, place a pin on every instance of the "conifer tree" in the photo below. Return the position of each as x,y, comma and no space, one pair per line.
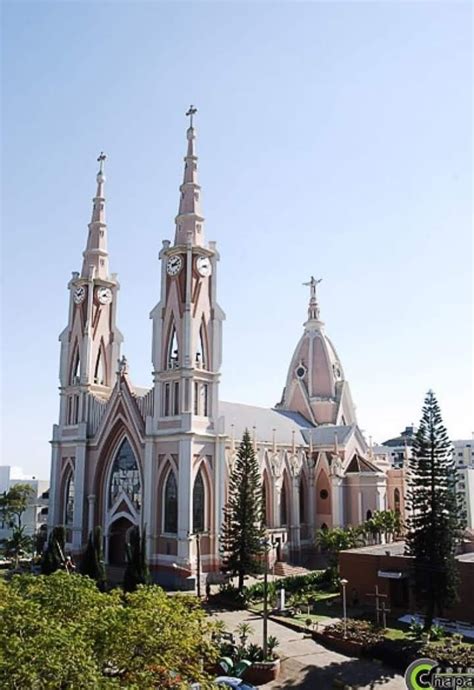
92,563
435,516
243,532
53,556
136,570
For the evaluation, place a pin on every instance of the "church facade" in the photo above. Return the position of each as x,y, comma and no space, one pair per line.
160,458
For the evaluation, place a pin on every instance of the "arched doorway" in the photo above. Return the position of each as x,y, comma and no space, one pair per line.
117,541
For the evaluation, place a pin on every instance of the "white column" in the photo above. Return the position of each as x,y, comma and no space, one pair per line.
53,502
295,514
79,478
337,501
148,500
185,504
91,512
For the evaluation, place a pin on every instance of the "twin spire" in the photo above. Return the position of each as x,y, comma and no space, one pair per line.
189,221
96,258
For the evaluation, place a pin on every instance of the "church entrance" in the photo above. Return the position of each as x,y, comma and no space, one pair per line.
117,540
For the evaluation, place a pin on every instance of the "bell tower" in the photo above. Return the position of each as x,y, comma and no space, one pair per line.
90,344
187,322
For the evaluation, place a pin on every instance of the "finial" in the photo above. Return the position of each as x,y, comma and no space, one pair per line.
101,159
313,309
191,111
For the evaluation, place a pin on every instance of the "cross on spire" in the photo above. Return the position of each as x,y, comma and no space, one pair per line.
102,157
191,111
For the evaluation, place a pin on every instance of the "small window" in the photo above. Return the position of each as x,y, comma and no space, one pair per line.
323,494
173,352
167,400
205,399
176,398
196,398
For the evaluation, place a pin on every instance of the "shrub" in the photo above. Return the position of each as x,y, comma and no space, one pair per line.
356,630
229,595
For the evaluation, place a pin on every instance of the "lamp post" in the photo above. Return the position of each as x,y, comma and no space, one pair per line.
344,584
267,545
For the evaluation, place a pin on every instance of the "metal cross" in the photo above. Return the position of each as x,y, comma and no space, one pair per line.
101,160
191,111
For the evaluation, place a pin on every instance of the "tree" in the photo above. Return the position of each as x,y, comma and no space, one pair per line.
243,533
92,562
61,632
17,544
136,570
53,556
436,518
14,502
331,541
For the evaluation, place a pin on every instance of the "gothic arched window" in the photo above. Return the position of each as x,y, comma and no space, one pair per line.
125,476
69,500
368,515
302,503
76,367
283,506
99,376
198,504
264,503
396,500
171,504
201,352
172,358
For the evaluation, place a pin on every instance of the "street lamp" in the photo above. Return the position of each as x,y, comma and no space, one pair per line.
267,545
344,584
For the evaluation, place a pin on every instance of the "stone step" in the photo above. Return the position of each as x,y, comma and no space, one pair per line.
283,569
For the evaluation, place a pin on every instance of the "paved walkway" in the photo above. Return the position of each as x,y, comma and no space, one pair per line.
310,666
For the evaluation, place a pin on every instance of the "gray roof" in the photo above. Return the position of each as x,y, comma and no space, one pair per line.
265,420
284,422
395,548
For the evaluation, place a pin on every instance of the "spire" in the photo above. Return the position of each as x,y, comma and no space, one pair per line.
313,322
95,253
190,221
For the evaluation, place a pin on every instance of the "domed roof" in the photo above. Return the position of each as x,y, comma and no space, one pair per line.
315,385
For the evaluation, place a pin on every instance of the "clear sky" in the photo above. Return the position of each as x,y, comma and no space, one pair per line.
334,140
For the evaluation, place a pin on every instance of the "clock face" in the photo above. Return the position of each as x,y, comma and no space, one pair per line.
79,294
174,265
203,266
104,295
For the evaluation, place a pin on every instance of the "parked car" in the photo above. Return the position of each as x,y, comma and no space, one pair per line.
230,682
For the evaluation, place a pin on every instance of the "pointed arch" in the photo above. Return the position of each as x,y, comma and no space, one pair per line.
199,503
202,351
396,501
170,504
266,499
172,348
75,375
68,502
125,477
100,366
284,501
302,501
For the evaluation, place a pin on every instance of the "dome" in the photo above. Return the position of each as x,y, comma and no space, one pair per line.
315,385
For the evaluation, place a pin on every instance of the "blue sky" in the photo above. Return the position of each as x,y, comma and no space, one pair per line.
334,140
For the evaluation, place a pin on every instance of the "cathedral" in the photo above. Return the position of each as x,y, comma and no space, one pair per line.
160,457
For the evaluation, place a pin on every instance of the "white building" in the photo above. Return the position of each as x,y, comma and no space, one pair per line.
36,515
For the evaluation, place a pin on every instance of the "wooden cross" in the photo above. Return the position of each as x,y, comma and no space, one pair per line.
378,608
191,111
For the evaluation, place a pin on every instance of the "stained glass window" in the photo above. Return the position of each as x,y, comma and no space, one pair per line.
69,502
171,504
198,504
125,476
302,503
